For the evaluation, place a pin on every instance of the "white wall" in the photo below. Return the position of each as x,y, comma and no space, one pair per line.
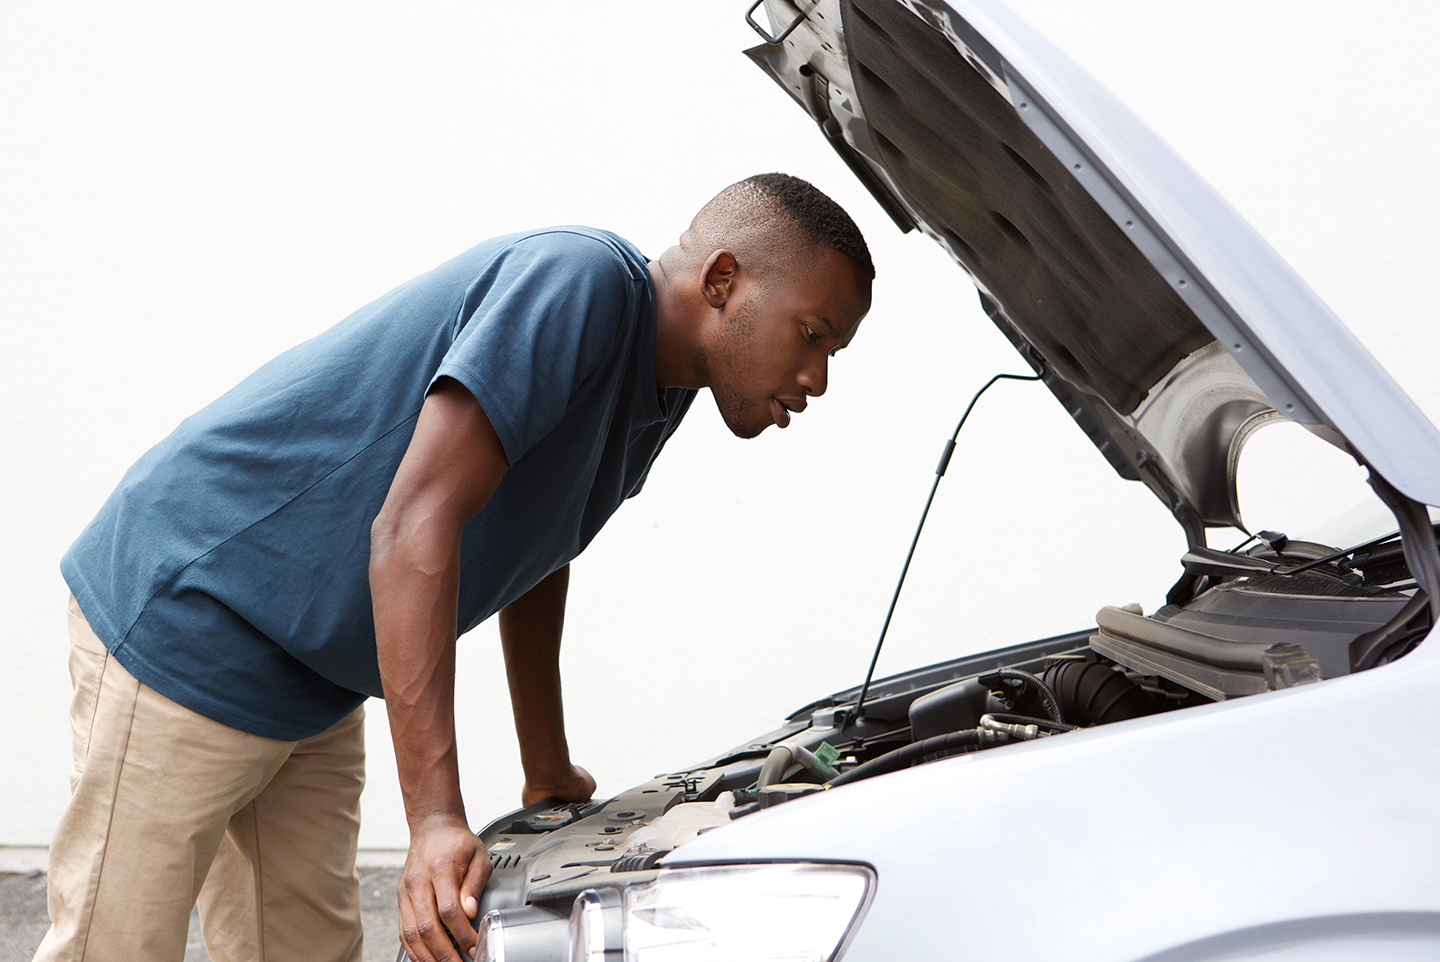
189,189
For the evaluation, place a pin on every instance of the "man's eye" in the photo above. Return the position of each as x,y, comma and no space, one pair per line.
811,333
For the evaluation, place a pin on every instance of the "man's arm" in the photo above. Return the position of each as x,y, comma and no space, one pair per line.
530,629
452,466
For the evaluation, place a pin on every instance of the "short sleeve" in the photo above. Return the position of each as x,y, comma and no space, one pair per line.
540,320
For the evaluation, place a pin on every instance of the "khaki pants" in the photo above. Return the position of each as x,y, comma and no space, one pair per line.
168,807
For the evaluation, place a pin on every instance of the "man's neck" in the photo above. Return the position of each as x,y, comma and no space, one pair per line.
677,357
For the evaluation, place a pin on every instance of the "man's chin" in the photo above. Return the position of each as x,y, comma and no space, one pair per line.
744,429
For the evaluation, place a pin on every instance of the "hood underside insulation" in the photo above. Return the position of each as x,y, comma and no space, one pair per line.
1061,269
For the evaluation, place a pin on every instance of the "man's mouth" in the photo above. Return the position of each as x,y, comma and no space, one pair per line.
781,411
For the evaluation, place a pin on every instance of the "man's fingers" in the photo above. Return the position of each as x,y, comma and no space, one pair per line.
474,883
422,928
577,785
452,913
410,933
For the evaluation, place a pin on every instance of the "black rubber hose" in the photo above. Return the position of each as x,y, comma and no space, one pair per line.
1047,697
965,739
1094,694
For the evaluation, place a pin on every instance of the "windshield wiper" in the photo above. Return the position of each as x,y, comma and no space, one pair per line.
1209,561
1347,552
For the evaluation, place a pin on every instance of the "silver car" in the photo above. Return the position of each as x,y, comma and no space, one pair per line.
1248,772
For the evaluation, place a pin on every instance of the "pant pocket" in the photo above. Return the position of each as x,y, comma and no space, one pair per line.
88,659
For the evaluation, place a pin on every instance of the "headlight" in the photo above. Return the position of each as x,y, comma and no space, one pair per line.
796,912
491,947
595,927
522,934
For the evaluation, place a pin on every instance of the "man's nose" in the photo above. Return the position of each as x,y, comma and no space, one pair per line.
814,377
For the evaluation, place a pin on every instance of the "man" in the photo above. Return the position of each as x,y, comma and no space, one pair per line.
322,532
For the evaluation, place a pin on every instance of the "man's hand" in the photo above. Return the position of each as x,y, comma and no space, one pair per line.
445,871
575,786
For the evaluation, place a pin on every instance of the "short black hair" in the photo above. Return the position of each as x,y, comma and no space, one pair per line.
819,217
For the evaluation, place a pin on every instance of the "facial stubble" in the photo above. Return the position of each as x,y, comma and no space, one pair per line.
733,363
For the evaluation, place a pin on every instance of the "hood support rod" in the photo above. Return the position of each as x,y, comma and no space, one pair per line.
939,473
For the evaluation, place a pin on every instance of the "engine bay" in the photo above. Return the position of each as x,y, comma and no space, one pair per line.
1280,615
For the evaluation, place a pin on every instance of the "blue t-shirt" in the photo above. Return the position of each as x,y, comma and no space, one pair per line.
229,570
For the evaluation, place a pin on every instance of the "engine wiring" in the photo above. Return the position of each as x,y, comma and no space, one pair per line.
939,473
1023,678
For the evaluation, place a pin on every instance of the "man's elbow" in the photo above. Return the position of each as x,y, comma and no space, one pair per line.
397,538
415,540
384,535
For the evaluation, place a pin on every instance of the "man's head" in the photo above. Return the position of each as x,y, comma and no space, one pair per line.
774,278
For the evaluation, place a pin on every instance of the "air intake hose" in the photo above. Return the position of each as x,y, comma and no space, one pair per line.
1048,701
1093,694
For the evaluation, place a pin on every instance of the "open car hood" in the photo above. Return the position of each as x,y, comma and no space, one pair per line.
1166,326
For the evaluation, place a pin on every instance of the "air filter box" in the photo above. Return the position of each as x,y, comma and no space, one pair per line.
948,709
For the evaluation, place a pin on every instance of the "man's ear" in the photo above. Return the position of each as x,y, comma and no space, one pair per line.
717,280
